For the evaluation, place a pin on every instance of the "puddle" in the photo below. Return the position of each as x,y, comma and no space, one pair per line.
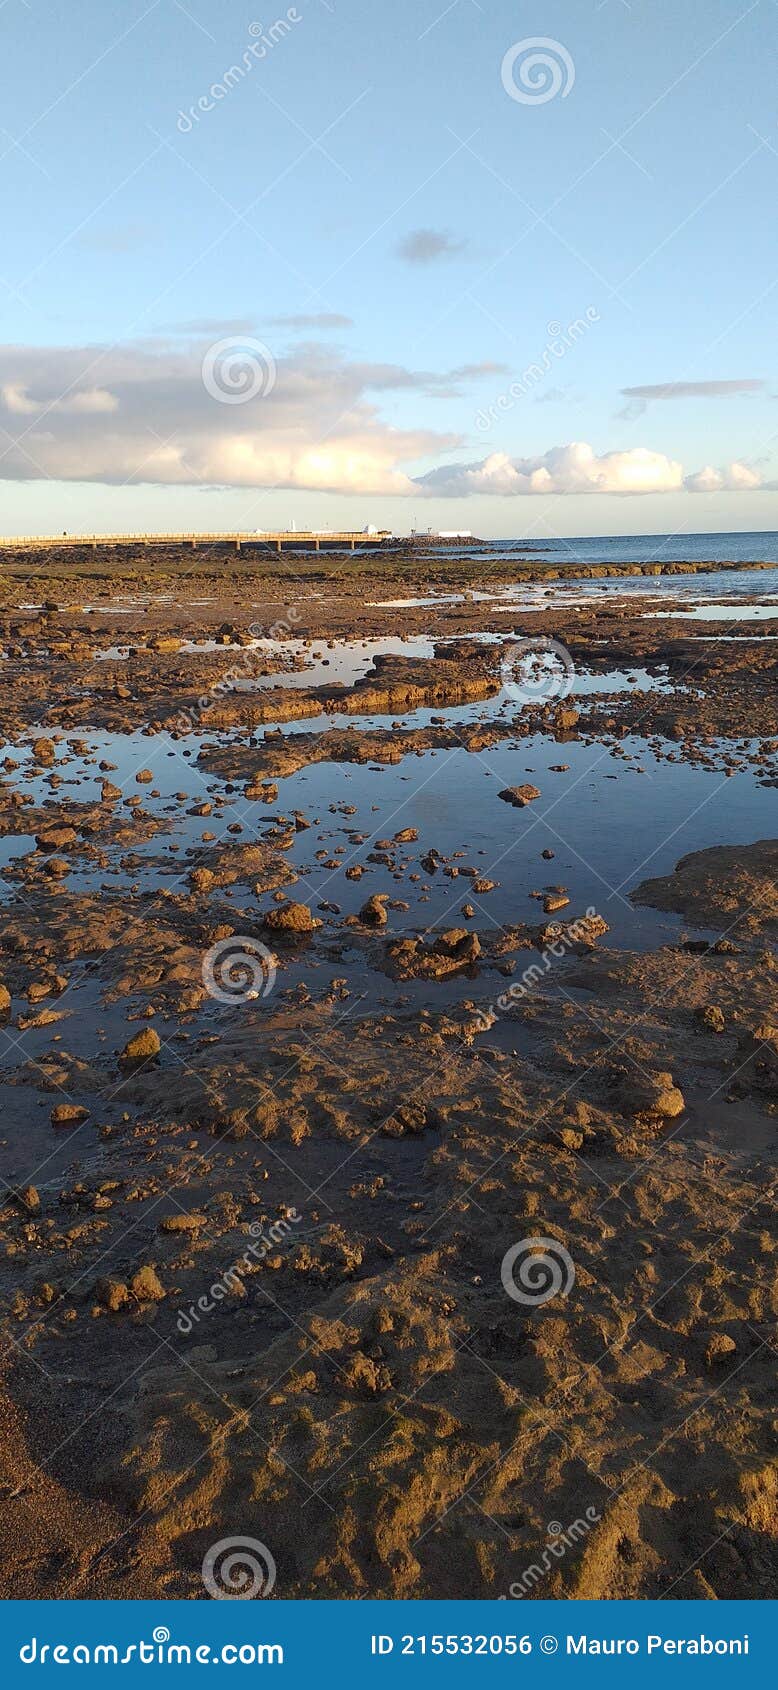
718,613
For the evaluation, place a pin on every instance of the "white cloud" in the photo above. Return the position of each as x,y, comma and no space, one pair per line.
735,478
564,469
141,414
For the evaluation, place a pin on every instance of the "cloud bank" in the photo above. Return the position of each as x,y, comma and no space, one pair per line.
143,414
564,469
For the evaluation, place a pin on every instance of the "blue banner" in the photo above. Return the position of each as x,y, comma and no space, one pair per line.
388,1644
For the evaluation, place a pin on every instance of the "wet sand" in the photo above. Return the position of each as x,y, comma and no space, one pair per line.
345,949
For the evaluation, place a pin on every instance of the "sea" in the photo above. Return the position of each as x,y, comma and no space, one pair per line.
648,548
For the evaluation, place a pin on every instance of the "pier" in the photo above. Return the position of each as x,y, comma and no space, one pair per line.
307,540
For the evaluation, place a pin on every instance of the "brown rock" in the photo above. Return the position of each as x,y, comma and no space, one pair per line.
720,1347
373,913
519,795
711,1017
291,918
68,1115
146,1286
113,1294
183,1223
139,1049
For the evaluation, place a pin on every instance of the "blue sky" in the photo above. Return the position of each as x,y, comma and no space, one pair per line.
440,297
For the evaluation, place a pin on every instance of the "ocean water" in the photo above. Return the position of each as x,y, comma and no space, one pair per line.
648,548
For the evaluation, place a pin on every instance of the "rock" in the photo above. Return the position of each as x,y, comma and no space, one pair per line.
139,1049
68,1115
571,1139
183,1223
28,1199
519,795
291,918
657,1094
5,1002
201,879
113,1294
554,901
57,867
146,1286
144,776
373,913
56,838
711,1017
109,793
720,1347
44,750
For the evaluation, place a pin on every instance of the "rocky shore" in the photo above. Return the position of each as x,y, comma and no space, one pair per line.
344,961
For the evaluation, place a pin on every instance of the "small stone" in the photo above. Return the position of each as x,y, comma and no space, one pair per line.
28,1199
183,1223
113,1294
711,1017
201,879
56,838
554,901
147,1286
373,913
720,1346
68,1115
520,795
291,918
139,1049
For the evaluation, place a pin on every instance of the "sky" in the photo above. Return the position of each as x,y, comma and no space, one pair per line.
476,265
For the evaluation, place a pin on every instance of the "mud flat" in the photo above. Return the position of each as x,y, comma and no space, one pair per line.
389,1067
